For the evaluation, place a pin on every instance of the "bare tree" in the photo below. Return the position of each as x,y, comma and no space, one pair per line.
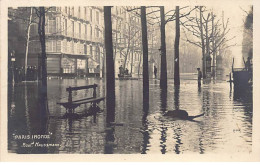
168,17
216,34
41,32
43,100
27,42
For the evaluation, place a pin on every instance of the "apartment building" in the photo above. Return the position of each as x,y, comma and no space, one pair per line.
75,40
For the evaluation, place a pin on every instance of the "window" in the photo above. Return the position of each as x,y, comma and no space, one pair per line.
93,53
90,14
79,13
72,11
86,32
72,28
79,30
97,17
97,54
72,47
64,46
85,49
97,33
85,13
66,10
34,29
90,32
66,26
78,48
52,26
90,50
48,46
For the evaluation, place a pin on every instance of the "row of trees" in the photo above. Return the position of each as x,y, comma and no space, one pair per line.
210,32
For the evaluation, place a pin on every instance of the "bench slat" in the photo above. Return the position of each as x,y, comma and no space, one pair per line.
89,101
83,101
81,87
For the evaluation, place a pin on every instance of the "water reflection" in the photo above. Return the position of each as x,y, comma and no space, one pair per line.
110,130
163,99
163,128
144,129
178,140
177,131
109,140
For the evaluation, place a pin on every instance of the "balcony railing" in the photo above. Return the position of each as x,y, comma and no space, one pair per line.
97,39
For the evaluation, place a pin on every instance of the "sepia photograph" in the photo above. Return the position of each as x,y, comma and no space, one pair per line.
127,79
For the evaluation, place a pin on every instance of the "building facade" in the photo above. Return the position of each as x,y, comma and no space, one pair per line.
75,40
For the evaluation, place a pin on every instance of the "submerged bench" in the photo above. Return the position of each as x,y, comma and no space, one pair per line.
70,105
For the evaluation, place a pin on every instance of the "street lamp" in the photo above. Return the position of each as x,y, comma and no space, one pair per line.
208,64
219,64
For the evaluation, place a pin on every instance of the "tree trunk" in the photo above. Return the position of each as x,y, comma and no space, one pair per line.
145,58
110,72
27,43
207,42
163,80
176,49
41,31
116,39
139,65
128,47
203,46
132,58
43,101
213,47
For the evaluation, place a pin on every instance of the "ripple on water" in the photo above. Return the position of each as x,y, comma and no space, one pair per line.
226,126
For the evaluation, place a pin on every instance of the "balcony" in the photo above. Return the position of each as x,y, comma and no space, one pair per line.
97,39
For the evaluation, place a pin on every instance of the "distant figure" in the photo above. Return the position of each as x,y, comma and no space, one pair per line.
249,68
199,77
155,71
121,70
248,64
126,71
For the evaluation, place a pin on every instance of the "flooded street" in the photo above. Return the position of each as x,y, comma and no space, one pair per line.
226,126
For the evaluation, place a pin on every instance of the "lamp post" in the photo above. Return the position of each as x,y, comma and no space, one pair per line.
208,65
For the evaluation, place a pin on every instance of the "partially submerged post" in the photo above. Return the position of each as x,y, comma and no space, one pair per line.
176,49
145,57
163,80
110,71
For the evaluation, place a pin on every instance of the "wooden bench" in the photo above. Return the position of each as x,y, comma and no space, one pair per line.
70,105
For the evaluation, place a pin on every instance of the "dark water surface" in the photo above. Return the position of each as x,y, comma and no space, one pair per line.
226,126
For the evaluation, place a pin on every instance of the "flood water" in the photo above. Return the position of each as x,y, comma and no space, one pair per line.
226,126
